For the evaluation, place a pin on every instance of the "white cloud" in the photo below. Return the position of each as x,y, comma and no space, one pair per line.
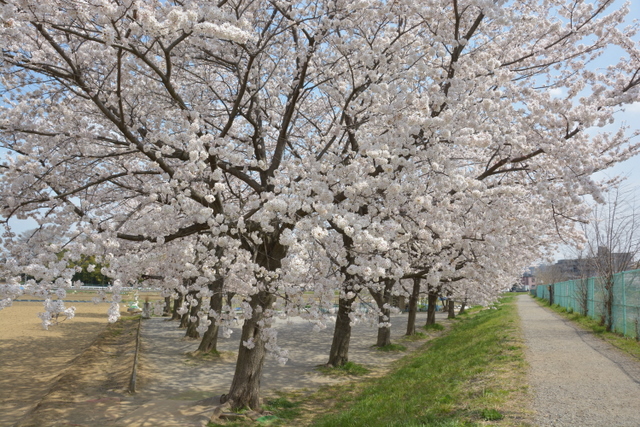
556,92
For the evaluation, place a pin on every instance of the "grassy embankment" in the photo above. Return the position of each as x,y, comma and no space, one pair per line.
625,344
472,375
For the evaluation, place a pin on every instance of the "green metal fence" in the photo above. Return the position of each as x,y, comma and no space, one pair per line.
586,296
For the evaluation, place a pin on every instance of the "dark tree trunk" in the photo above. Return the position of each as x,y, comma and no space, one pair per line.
209,343
402,304
230,296
176,305
413,307
432,300
184,321
608,302
382,298
245,388
463,306
451,308
167,306
550,294
339,353
192,325
384,333
583,296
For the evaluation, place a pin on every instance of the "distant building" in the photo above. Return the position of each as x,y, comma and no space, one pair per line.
570,269
528,281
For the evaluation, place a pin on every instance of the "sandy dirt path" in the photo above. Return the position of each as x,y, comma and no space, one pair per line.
31,358
576,378
173,388
173,382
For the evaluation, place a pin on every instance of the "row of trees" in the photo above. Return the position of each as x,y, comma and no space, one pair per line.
278,149
611,246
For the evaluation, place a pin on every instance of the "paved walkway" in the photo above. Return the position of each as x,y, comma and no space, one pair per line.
576,378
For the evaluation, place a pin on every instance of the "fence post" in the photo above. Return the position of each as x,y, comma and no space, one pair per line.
624,303
592,293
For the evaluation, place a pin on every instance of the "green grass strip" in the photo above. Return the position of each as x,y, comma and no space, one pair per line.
349,368
438,385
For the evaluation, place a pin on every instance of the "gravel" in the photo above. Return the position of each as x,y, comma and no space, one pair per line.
576,378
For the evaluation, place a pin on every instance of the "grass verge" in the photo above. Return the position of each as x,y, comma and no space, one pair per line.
349,368
433,327
418,336
628,345
474,375
283,408
392,348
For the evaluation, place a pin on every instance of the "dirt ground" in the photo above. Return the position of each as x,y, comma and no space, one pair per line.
58,378
77,373
32,358
178,390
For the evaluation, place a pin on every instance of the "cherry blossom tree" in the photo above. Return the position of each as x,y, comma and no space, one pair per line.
172,131
224,142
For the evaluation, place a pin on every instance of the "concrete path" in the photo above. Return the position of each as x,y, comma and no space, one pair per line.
576,378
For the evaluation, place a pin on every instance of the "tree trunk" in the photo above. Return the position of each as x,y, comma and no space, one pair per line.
176,305
463,306
209,342
245,388
230,296
550,294
452,310
384,333
184,321
608,302
583,296
192,325
432,299
413,307
167,306
339,353
383,298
